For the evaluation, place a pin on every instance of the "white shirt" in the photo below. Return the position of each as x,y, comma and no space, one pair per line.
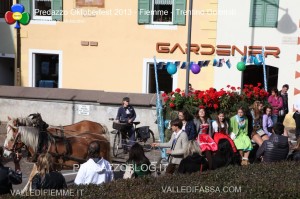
216,127
94,173
177,134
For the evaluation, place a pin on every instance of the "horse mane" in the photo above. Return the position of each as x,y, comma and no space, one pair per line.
25,121
29,136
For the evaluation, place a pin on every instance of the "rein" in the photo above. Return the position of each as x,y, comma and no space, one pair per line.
17,140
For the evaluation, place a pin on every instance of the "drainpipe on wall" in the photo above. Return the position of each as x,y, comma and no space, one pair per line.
18,57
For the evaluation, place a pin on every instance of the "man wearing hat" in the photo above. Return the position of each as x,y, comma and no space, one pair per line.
126,114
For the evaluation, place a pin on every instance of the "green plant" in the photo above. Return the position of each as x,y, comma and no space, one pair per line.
275,180
227,100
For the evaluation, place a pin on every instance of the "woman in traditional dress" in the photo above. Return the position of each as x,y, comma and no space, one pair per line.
239,134
220,130
204,132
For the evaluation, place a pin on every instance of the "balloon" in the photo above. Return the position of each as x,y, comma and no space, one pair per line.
241,66
172,69
257,62
195,68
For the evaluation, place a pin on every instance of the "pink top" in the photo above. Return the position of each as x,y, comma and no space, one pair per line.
276,103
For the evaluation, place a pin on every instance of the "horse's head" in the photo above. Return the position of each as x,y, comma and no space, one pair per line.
12,141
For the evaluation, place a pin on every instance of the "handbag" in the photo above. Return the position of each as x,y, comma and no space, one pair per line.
260,132
281,112
129,172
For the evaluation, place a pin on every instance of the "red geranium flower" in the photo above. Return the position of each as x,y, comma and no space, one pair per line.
202,107
172,105
177,90
216,106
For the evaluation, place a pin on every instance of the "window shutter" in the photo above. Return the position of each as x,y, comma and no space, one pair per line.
144,5
27,5
179,12
257,13
57,6
271,11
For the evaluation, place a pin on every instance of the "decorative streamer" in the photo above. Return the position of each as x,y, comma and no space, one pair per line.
228,63
159,112
264,67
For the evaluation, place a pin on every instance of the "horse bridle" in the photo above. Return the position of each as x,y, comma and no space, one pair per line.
17,141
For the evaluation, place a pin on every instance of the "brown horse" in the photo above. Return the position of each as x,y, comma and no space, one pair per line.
72,129
79,127
66,151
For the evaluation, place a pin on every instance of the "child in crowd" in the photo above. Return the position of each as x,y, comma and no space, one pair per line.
239,134
220,130
188,125
204,132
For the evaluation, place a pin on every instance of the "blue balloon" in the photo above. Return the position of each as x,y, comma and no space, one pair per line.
257,62
171,68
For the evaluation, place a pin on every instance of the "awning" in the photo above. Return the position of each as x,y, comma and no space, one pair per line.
163,2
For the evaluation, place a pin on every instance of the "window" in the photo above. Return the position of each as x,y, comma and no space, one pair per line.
264,13
4,7
90,3
46,70
162,12
44,9
165,80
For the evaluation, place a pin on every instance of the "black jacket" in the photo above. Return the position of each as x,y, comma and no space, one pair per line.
275,149
192,164
52,180
294,156
125,114
8,177
285,100
190,130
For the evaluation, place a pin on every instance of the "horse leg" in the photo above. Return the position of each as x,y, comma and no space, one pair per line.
31,154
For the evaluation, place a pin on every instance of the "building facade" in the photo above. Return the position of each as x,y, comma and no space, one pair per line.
269,24
7,47
110,45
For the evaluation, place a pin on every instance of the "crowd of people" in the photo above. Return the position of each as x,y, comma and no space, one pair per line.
197,144
260,132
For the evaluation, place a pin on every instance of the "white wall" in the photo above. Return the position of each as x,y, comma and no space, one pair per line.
235,30
59,113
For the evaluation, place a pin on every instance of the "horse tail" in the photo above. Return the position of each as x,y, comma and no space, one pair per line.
105,131
107,139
